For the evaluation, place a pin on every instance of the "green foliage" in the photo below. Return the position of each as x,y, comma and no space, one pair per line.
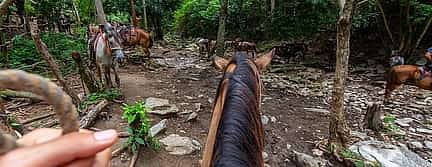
119,17
252,19
136,117
392,129
24,55
93,98
13,122
356,159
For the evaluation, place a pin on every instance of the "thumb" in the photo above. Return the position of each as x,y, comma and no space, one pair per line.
61,151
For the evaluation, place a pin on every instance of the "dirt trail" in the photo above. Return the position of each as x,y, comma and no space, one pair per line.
185,84
187,80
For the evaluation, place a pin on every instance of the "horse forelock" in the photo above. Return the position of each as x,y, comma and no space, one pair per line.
239,136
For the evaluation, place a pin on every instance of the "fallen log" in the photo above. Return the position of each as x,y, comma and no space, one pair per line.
92,113
19,94
134,157
38,118
119,150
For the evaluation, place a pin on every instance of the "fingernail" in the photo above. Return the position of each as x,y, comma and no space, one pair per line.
105,135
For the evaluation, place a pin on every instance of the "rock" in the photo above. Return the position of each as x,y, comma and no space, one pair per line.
404,122
192,116
324,111
317,152
197,107
265,156
152,102
164,110
428,145
288,146
155,129
160,106
416,145
388,155
359,135
304,160
421,130
273,119
264,120
178,145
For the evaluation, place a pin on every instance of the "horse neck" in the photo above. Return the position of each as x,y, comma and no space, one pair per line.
239,137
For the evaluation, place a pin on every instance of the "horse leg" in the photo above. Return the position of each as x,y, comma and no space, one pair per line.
107,76
147,52
98,72
390,87
115,67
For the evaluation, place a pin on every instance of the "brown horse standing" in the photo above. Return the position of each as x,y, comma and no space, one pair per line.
406,74
136,36
246,47
236,135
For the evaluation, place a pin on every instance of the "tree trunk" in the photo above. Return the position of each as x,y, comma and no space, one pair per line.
75,9
338,126
133,14
158,23
381,9
43,50
145,15
372,118
86,76
100,12
425,30
221,31
272,6
4,6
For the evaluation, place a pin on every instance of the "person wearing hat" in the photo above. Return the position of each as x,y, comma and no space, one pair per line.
428,56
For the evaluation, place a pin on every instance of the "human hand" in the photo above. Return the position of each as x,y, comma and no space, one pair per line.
47,148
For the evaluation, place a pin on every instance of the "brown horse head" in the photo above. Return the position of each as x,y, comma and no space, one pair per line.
236,136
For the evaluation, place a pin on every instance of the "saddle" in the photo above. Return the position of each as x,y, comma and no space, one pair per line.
424,72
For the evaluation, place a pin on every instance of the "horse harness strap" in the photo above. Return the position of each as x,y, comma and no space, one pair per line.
108,48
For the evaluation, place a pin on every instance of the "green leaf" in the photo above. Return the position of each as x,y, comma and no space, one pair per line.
134,147
131,119
129,130
139,140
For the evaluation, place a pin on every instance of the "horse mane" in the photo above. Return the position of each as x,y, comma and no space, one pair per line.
239,138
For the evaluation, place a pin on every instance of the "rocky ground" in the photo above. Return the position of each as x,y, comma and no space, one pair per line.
295,108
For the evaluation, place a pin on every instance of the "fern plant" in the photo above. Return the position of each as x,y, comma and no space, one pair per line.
139,126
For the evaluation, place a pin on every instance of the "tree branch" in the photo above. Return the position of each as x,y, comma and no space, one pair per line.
43,50
425,30
4,6
378,3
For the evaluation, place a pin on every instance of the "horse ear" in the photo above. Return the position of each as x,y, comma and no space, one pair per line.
220,63
265,60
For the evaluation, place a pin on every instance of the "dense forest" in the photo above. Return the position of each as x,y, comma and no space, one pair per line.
328,71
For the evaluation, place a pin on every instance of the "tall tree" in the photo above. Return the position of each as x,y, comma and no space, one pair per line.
100,12
339,129
145,15
221,31
133,13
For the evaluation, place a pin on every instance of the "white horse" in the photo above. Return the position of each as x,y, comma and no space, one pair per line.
108,50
